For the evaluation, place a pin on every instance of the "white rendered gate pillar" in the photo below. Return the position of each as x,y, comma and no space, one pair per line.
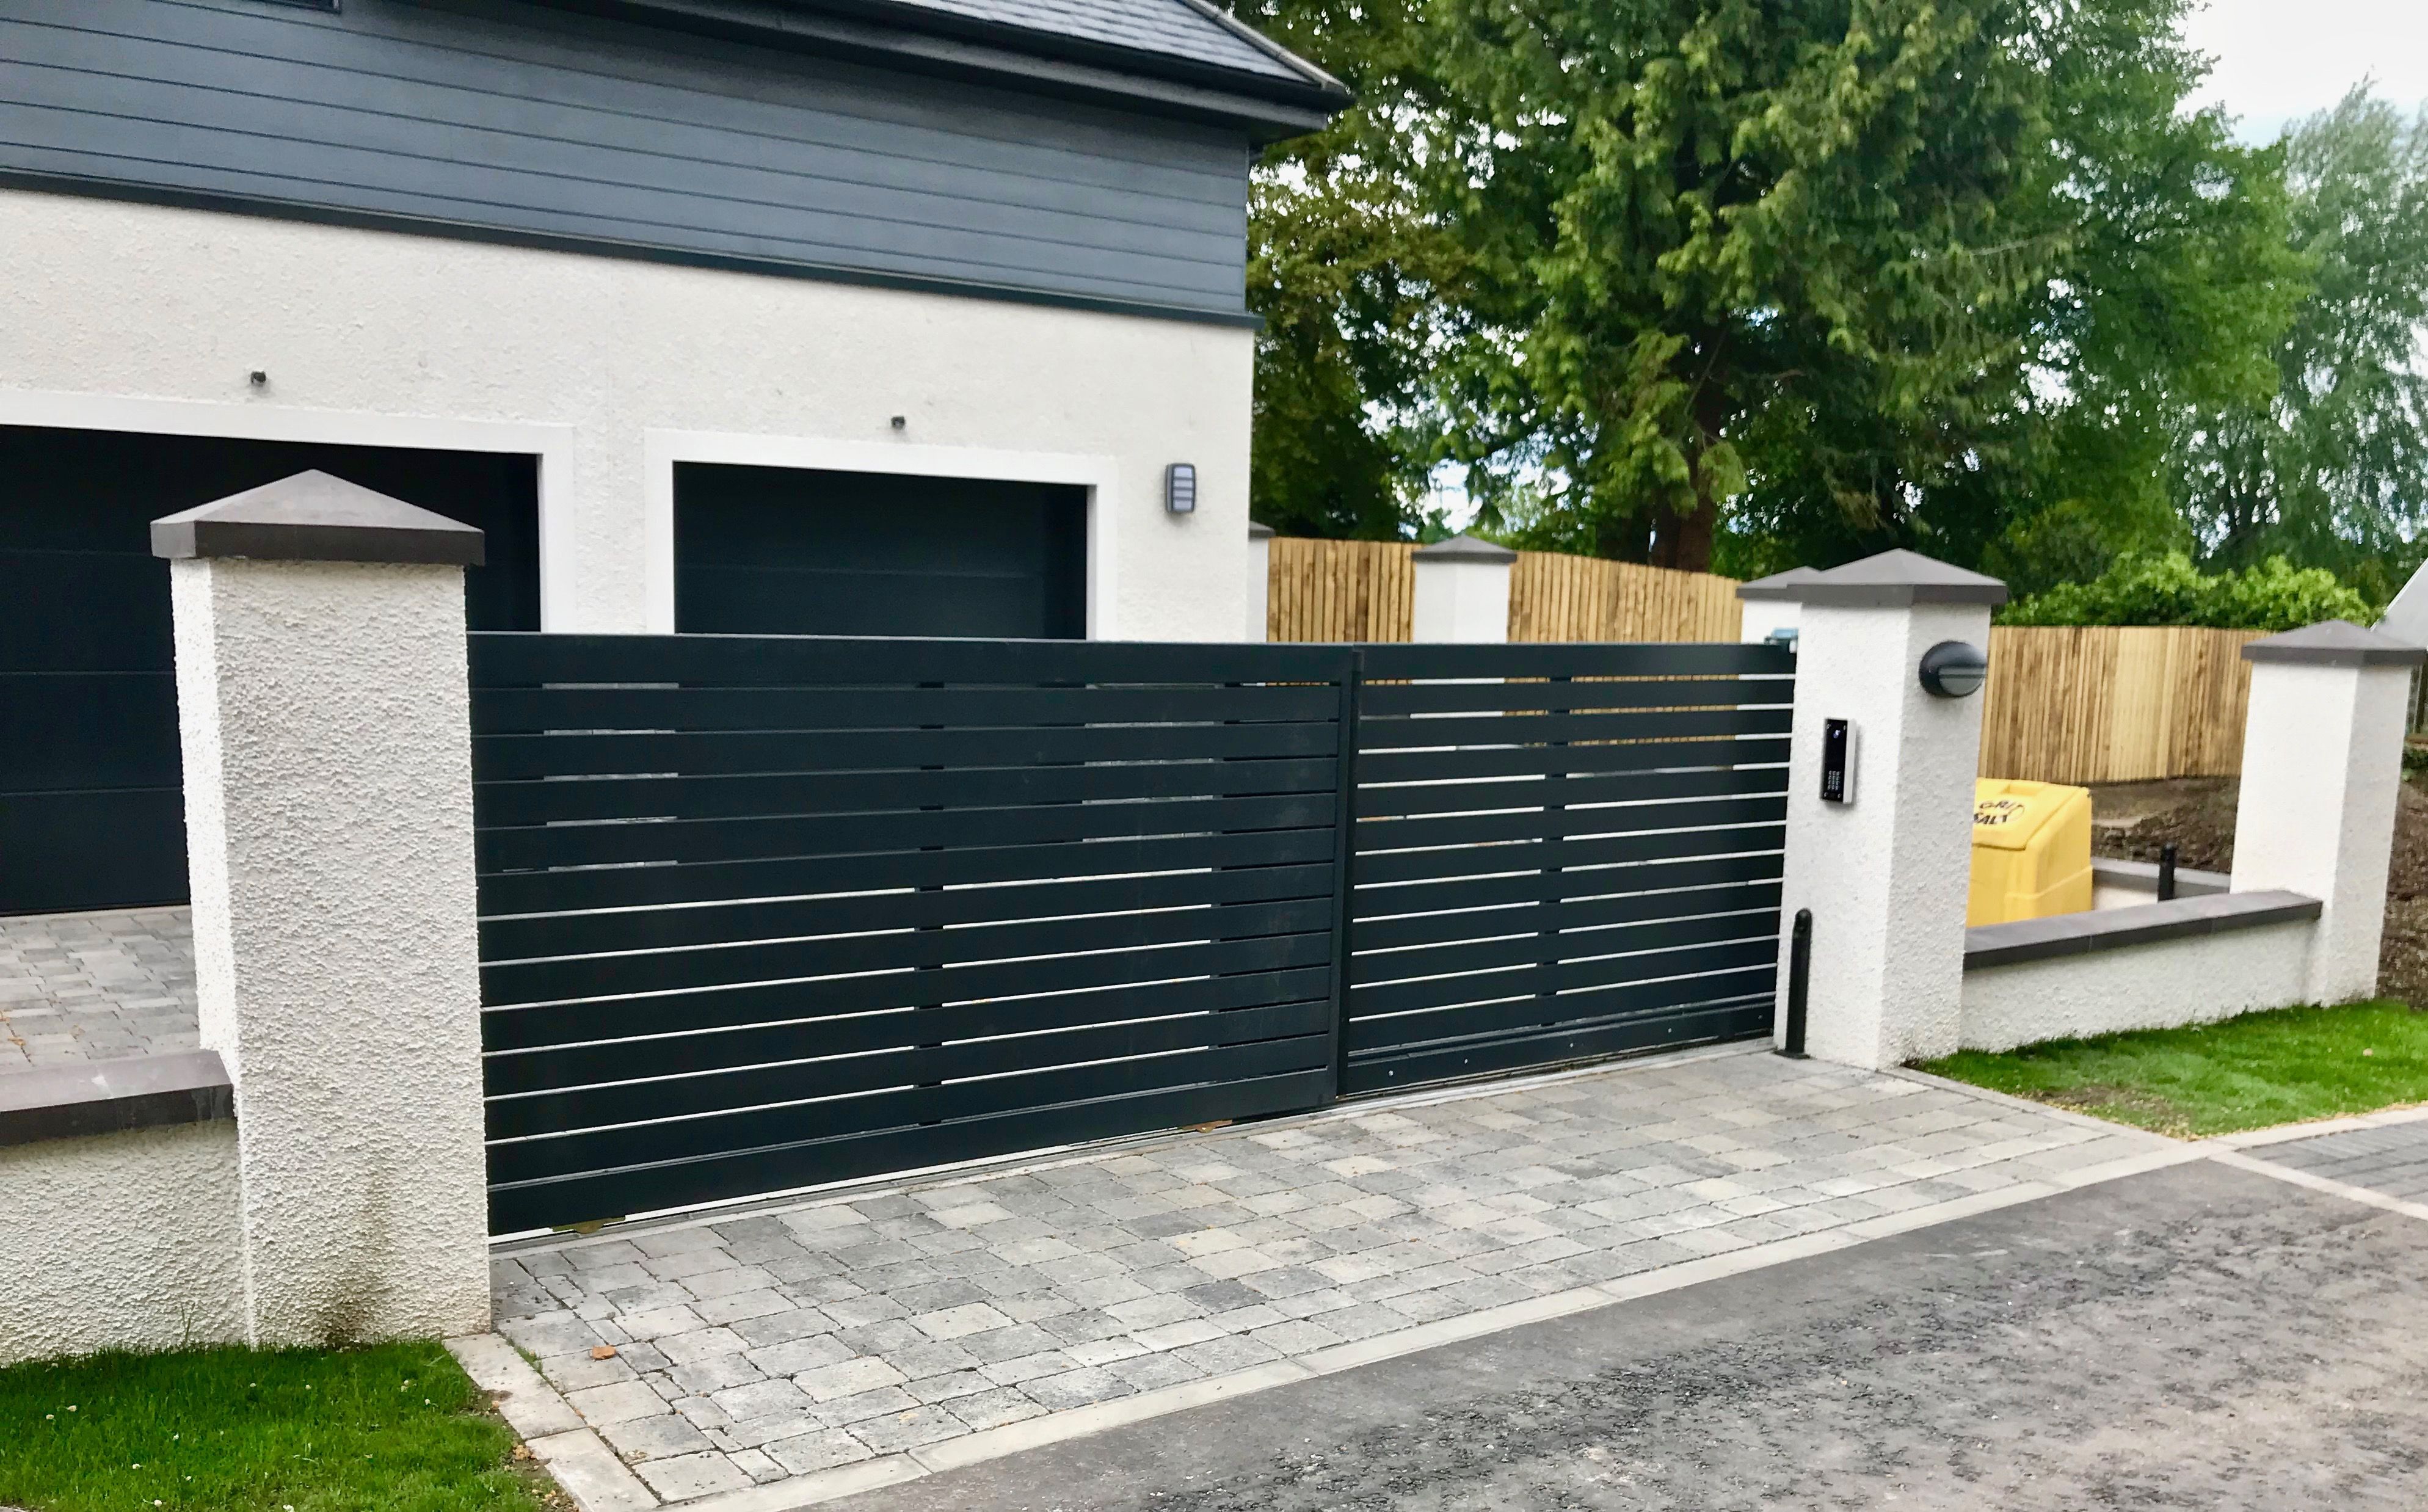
1260,581
1462,591
2322,774
323,710
1885,873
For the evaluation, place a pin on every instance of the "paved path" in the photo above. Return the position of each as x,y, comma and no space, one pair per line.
871,1330
76,987
2391,1160
2195,1337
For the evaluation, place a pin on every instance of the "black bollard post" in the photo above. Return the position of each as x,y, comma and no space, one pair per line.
1799,983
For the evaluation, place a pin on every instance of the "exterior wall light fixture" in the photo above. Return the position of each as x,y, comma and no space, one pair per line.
1180,488
1954,669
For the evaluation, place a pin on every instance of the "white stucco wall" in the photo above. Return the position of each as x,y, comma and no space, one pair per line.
322,711
1460,600
1257,623
1757,619
2322,774
2163,984
119,1242
1885,876
148,318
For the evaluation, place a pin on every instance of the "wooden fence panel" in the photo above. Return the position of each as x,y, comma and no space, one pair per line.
2114,703
1558,598
1365,591
1341,590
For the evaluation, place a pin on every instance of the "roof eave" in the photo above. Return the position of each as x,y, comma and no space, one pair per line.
904,36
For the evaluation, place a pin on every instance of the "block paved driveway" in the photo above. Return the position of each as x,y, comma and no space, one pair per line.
789,1341
79,987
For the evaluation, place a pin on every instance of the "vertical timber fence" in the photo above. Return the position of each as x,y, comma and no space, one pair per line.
762,912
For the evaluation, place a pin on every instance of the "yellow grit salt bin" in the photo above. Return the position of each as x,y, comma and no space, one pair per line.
2031,850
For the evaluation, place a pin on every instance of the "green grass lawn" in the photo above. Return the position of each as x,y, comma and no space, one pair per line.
2251,1071
392,1427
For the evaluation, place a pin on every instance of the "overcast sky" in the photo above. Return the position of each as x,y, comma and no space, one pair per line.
2281,59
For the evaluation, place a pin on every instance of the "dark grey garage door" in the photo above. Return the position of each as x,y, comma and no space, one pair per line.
91,814
788,551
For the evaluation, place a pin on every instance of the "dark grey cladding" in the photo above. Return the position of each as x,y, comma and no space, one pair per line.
835,142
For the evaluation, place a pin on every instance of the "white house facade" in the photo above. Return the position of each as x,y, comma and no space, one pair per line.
759,316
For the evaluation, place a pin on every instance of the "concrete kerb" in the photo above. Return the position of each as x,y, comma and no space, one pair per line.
2317,1183
584,1465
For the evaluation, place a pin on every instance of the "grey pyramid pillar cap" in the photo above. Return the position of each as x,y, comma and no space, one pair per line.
315,518
1893,579
1779,584
1464,549
1259,533
2335,643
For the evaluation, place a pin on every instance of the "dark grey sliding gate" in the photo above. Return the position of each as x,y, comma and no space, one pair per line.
766,912
1563,851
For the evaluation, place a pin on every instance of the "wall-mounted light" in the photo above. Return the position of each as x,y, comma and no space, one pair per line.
1953,669
1180,488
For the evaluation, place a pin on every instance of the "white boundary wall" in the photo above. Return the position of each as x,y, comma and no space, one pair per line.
612,369
123,1240
2160,985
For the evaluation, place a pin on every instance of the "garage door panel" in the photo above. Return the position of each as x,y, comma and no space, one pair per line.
66,731
742,599
90,808
64,851
83,612
792,551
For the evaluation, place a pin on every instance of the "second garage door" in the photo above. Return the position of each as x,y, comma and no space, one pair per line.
789,551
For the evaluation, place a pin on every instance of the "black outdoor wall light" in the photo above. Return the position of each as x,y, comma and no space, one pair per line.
1953,669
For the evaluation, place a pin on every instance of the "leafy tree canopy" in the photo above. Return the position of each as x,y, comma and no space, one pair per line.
1846,272
2329,466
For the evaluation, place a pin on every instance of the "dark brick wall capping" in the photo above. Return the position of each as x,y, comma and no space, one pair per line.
2082,935
2144,876
111,1096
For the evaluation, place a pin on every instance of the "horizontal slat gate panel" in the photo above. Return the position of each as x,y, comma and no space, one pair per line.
1562,852
768,912
757,911
530,936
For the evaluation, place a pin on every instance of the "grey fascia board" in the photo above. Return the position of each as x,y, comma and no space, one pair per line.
113,1097
2088,934
1465,549
968,47
2143,875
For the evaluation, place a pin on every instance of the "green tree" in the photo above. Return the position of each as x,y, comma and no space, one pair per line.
1843,274
1352,278
2330,467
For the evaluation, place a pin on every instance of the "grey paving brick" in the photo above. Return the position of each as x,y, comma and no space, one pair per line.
985,1300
